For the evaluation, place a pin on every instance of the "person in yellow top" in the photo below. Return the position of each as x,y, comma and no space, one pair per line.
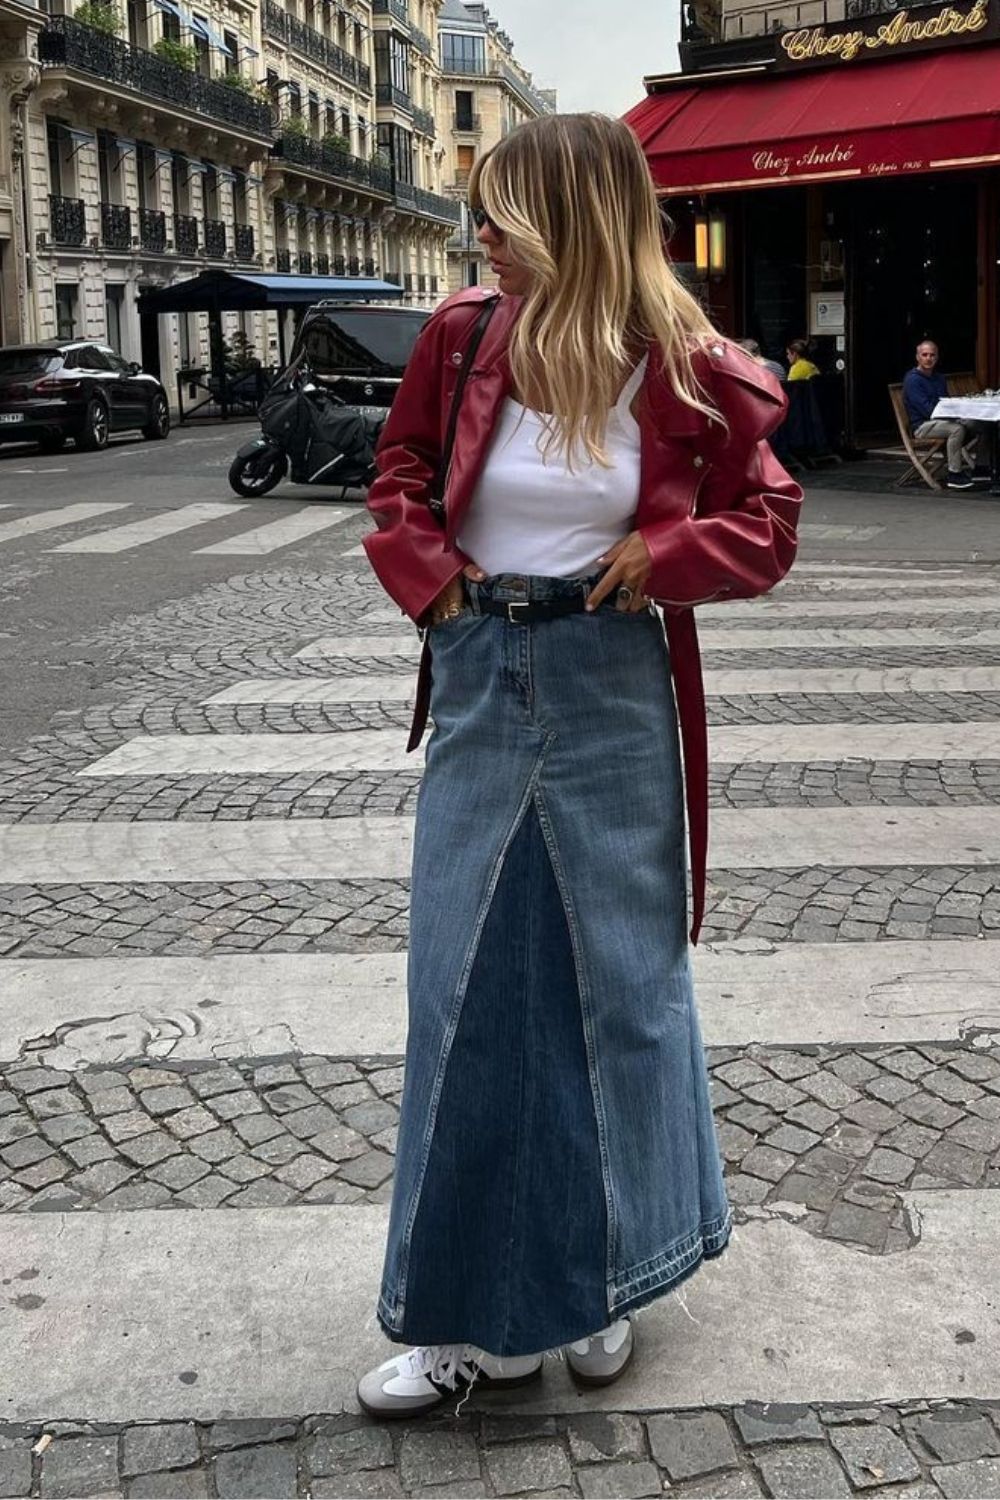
799,368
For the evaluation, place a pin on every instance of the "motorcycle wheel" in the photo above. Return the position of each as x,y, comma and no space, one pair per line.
257,474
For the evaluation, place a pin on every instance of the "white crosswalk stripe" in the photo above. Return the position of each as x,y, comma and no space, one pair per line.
151,529
385,749
355,1003
731,683
742,639
291,1287
275,534
52,520
294,1287
378,848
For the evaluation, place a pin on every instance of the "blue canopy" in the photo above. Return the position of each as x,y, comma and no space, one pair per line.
232,291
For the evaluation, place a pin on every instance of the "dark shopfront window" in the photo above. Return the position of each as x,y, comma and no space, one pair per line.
776,275
912,276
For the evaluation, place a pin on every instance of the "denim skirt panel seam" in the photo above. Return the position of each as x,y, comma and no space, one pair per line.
454,1022
557,1161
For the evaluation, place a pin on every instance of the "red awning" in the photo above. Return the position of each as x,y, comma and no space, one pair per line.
927,113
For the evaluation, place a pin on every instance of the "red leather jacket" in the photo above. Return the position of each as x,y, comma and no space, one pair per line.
716,509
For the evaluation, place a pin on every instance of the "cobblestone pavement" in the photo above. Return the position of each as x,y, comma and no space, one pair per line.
830,1139
912,1449
345,916
824,1136
54,796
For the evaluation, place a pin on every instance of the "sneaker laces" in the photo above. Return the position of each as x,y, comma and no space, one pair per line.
442,1364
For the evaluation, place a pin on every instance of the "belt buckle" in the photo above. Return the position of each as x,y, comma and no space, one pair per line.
513,604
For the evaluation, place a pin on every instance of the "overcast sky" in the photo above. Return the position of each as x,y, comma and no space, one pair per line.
595,52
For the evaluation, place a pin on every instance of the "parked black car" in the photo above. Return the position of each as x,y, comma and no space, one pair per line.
74,389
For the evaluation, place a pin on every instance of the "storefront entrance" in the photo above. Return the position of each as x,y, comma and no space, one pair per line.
911,274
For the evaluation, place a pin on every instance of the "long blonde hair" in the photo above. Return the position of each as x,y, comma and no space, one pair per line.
573,196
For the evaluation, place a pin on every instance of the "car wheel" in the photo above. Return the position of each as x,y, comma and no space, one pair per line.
52,442
96,426
158,425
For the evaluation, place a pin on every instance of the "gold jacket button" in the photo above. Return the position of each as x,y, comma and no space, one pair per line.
456,358
718,350
698,460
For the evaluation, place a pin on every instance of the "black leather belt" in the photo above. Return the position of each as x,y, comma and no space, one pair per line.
533,611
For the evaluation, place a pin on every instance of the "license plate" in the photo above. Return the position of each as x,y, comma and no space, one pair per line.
11,416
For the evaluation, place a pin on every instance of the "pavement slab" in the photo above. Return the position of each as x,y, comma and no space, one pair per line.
265,1317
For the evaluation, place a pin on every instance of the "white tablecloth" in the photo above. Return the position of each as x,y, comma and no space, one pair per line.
968,409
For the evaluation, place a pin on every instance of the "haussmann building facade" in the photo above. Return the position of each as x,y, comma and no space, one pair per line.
833,172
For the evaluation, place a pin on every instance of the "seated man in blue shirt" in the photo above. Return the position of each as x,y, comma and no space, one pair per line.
923,388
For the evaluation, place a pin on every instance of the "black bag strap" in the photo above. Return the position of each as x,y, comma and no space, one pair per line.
436,499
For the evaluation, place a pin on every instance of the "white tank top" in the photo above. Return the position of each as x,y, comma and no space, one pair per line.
529,515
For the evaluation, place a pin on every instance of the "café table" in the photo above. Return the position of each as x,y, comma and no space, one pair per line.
975,409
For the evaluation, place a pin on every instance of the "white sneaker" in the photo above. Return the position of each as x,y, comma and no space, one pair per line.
604,1356
416,1381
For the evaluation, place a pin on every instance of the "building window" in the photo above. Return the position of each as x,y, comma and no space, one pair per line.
465,101
114,309
232,55
200,42
462,54
66,305
398,146
466,159
146,175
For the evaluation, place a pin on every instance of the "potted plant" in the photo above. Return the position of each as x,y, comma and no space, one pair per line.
241,85
337,144
295,125
99,15
180,54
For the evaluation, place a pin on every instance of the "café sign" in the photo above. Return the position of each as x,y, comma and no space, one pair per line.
890,35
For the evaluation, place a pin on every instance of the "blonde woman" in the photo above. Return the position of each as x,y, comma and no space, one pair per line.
557,1164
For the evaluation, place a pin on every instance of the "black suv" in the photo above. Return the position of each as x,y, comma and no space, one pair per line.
85,391
358,351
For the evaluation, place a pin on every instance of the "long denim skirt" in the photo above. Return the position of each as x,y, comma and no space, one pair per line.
557,1162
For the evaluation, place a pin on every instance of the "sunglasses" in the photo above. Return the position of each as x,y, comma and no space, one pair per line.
481,218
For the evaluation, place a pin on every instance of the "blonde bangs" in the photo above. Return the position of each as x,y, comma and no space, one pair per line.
573,196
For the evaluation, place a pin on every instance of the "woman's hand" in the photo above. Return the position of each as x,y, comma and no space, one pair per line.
628,566
451,599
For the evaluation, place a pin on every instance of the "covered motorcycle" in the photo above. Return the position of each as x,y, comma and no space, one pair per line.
323,415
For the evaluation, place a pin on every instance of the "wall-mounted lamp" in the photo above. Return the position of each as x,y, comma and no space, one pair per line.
710,248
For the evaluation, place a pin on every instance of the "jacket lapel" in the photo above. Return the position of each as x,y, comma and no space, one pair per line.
489,385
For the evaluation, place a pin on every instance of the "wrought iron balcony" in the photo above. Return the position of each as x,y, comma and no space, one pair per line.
354,267
283,260
405,194
437,207
153,230
305,262
468,124
185,234
397,9
67,220
116,227
322,265
339,266
302,151
215,238
312,43
421,41
243,236
388,95
371,269
423,121
66,43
